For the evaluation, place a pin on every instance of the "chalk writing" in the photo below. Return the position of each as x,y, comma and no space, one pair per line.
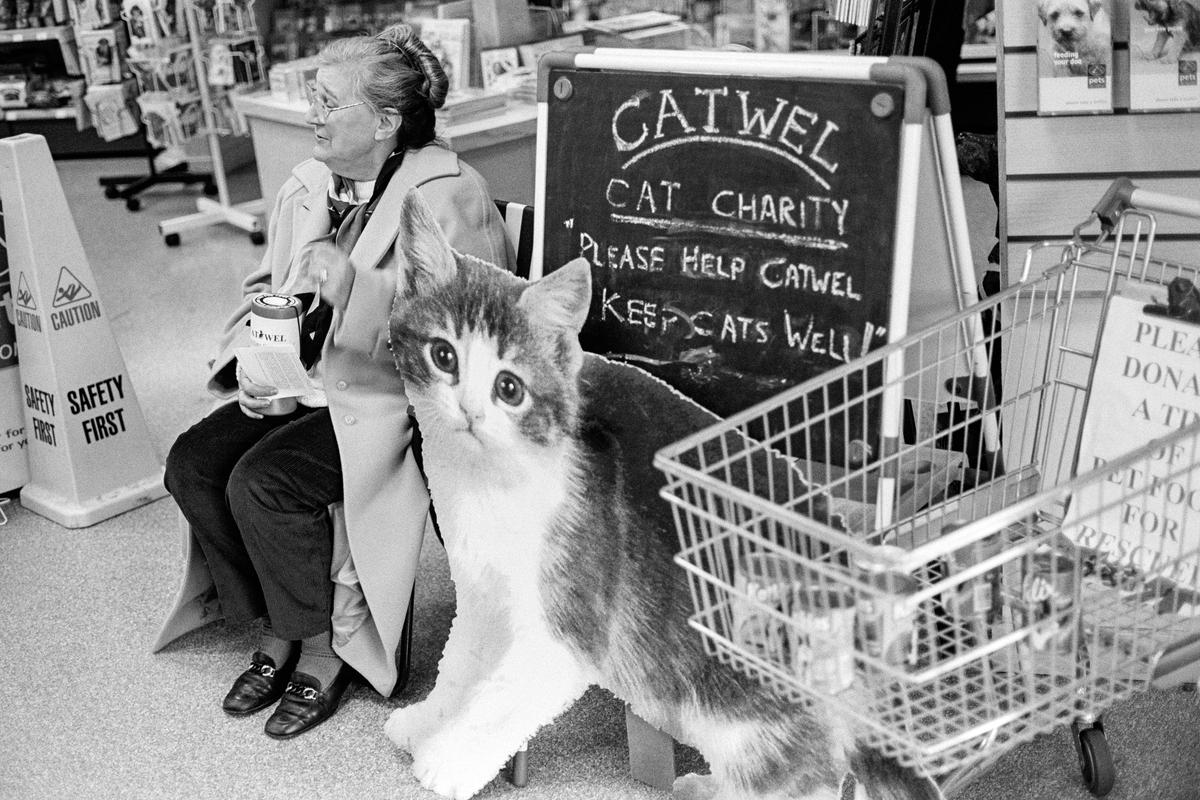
734,250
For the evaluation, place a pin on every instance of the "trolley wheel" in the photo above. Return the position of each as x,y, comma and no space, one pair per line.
133,204
112,192
257,237
1095,761
210,189
171,240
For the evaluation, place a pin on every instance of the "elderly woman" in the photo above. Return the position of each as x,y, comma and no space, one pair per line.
255,487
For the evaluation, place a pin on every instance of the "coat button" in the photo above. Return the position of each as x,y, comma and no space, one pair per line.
342,385
349,419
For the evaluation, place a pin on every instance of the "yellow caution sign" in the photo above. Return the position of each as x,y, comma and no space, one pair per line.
89,452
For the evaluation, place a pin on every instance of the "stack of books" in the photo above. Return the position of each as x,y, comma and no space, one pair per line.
463,105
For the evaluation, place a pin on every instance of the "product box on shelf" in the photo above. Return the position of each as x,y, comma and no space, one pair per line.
287,80
111,110
1075,59
731,28
14,89
94,13
1164,52
772,26
101,53
450,41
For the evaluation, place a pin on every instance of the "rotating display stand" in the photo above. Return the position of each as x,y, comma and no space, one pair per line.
225,52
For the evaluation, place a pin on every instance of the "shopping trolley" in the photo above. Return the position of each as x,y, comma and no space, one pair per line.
936,585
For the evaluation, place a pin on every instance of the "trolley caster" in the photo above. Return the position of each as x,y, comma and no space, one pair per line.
112,192
1095,759
257,237
210,189
133,204
171,240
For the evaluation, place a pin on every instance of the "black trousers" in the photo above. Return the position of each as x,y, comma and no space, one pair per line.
256,492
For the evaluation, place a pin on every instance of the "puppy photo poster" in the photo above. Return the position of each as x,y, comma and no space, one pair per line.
1075,56
1164,51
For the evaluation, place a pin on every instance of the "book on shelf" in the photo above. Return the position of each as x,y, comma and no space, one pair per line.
450,41
1164,52
532,51
624,23
471,103
496,63
731,28
772,26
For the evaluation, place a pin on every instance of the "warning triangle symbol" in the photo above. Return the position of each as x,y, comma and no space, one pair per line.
24,296
69,290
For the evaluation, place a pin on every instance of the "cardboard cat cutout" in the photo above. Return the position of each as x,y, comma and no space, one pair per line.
539,462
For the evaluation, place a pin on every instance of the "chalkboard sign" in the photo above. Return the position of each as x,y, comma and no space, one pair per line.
741,228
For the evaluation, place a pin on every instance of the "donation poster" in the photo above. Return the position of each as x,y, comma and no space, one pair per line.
1144,517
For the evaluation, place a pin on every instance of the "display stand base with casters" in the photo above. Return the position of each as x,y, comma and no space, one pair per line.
127,187
210,212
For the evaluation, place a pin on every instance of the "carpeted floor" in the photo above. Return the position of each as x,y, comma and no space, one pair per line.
87,712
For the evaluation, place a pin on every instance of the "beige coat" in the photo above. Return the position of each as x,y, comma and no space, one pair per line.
386,503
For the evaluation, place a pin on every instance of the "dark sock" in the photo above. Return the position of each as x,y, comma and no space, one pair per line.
280,650
318,659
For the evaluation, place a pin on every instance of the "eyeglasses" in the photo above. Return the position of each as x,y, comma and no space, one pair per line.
323,108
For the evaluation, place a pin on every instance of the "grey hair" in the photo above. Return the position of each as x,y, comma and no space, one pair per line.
394,70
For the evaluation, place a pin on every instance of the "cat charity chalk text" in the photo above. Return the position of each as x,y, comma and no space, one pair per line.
773,124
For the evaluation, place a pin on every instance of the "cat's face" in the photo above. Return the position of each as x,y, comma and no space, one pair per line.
490,361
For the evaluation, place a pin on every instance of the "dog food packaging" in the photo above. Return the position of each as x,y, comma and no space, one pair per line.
1075,56
885,621
823,644
1164,51
763,580
1048,589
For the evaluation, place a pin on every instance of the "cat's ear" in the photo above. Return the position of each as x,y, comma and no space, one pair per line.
561,299
429,257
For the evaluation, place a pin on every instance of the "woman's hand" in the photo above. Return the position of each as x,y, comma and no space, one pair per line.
323,264
253,397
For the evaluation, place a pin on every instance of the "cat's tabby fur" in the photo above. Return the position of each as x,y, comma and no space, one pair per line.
538,461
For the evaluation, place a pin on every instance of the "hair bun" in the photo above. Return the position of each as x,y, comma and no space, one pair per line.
403,38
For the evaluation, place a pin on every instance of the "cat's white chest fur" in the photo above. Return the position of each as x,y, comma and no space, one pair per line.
502,674
494,517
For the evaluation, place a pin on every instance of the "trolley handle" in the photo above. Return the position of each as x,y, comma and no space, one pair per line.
1116,199
1123,195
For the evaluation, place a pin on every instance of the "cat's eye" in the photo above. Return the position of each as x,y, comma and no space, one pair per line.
510,389
442,354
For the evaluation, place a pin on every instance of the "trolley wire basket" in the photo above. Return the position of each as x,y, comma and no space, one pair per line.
939,587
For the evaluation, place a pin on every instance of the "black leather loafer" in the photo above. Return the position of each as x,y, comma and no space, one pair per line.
306,705
258,687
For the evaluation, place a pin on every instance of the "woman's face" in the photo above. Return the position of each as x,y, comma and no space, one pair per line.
344,126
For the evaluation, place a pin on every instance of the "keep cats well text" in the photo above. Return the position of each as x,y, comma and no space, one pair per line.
727,193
